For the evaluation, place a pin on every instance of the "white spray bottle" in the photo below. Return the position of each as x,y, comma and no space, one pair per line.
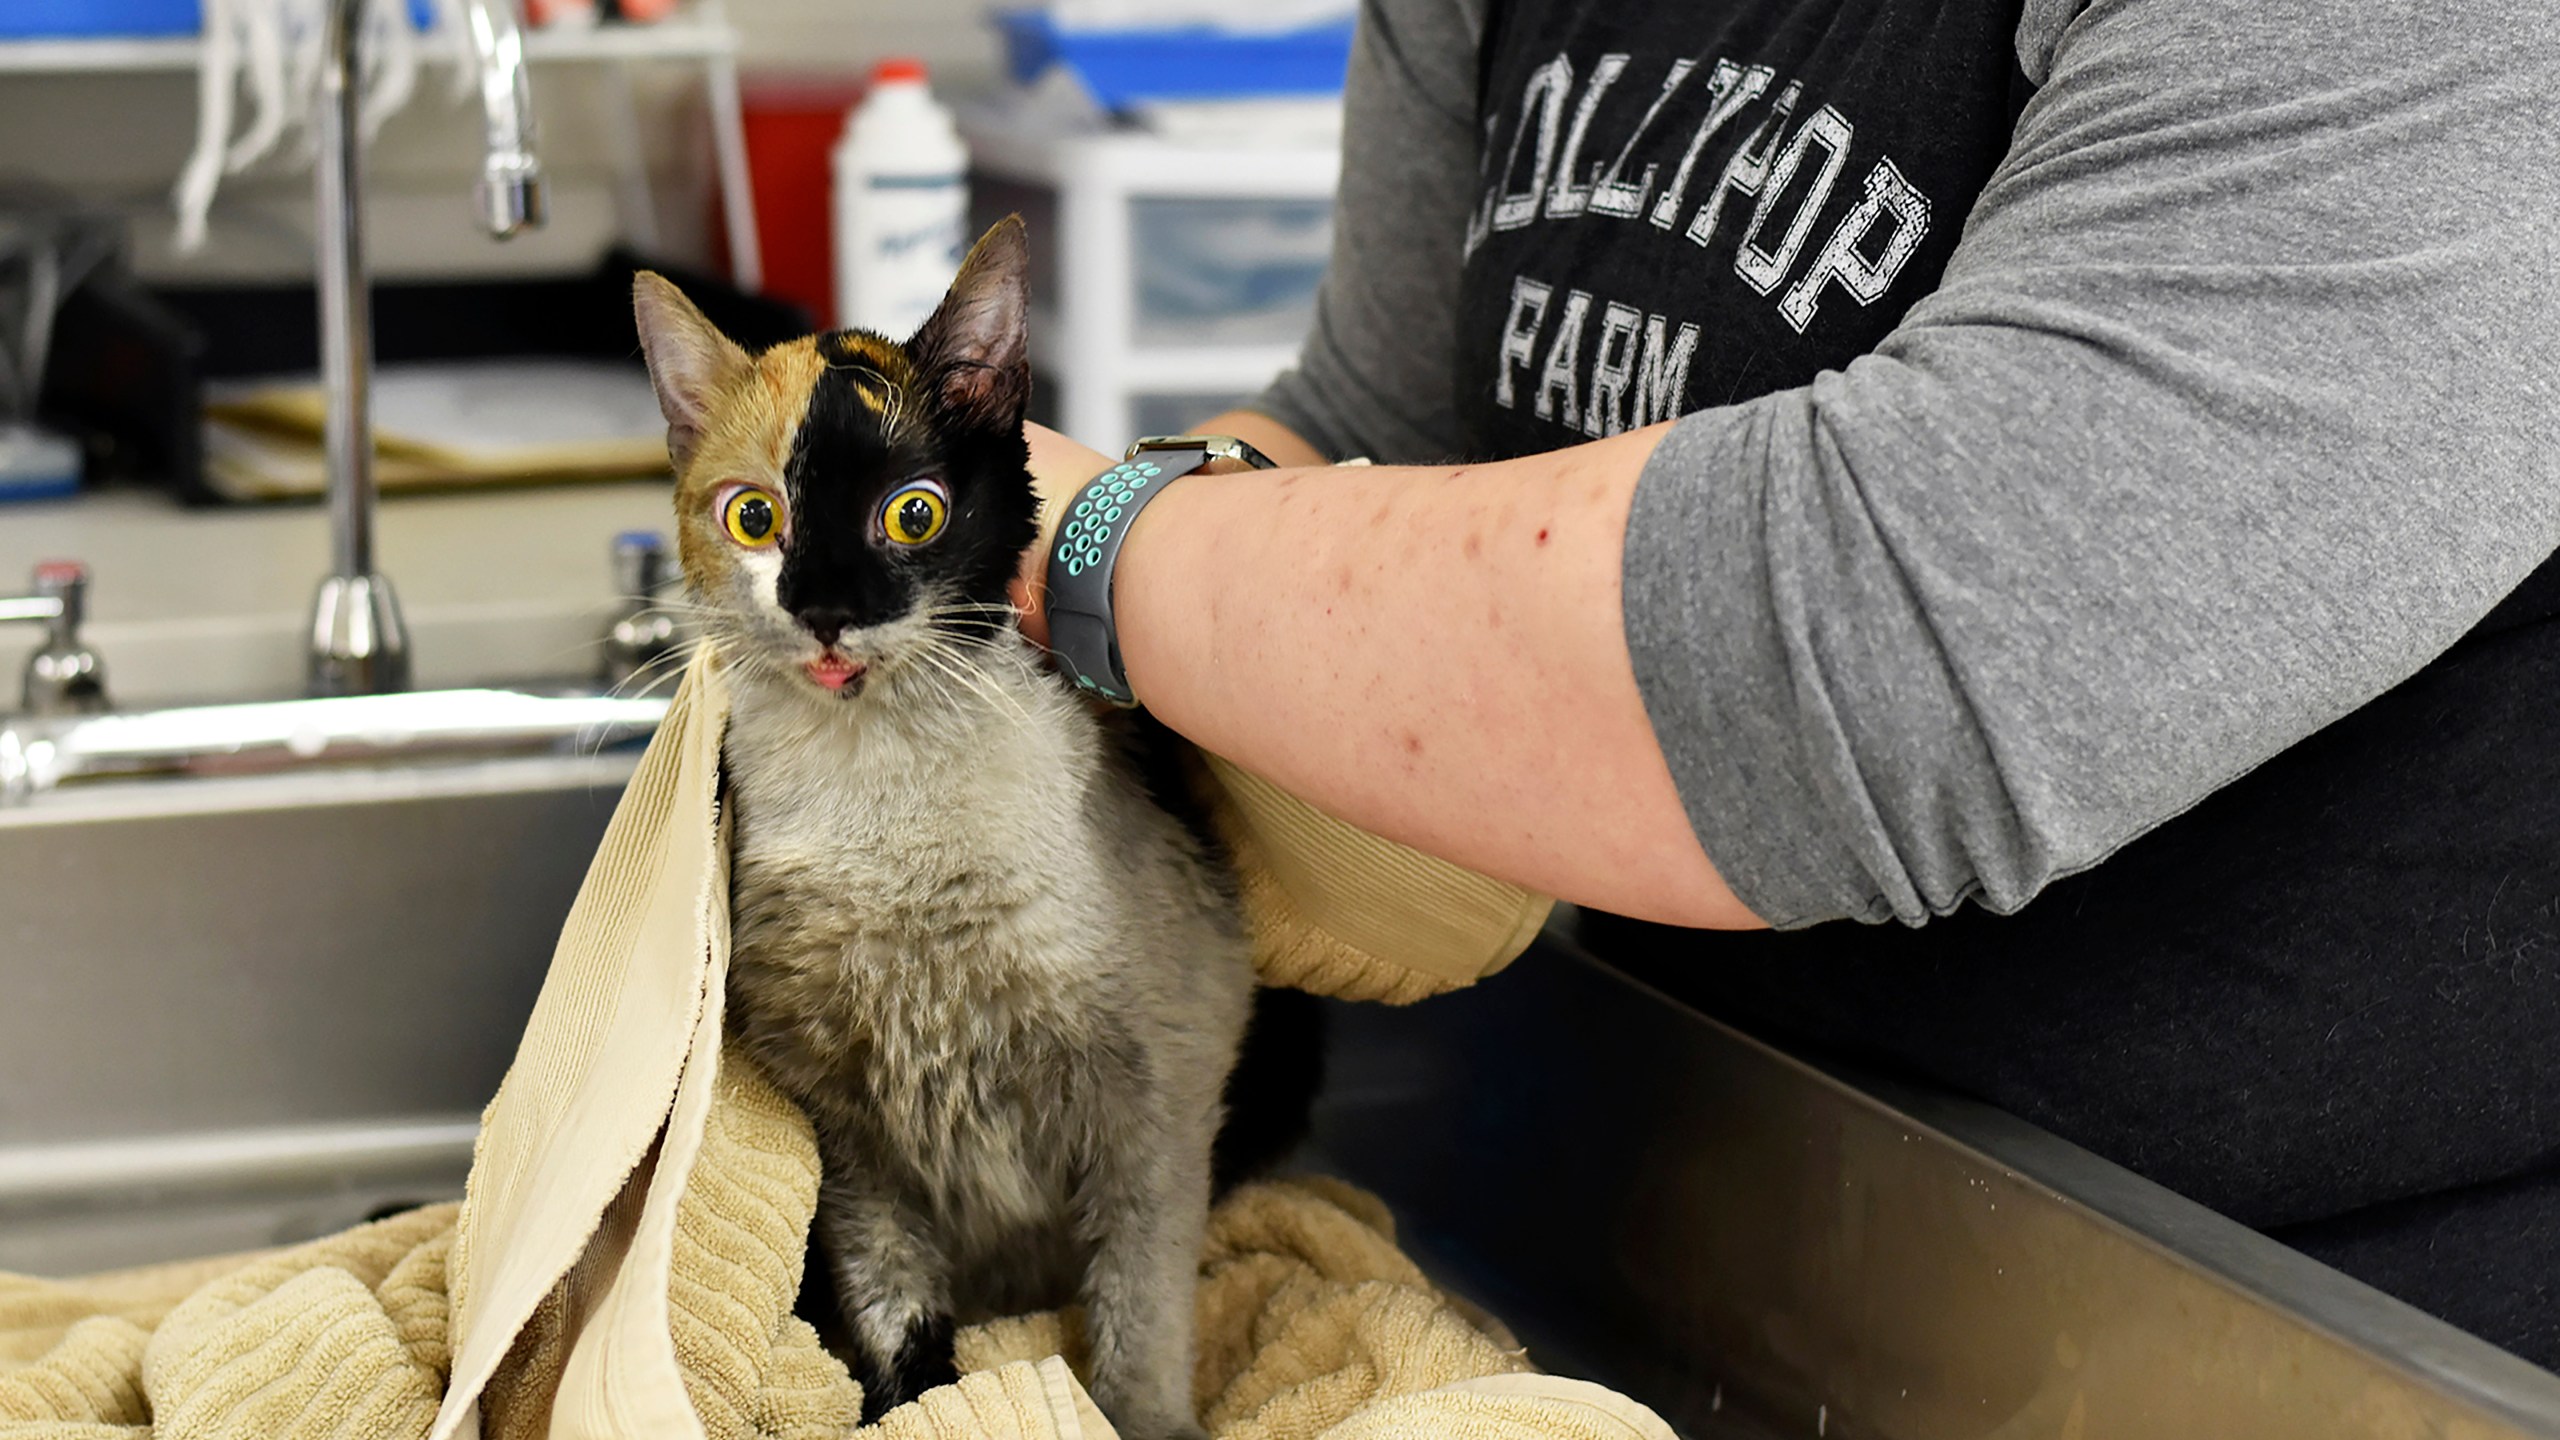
901,203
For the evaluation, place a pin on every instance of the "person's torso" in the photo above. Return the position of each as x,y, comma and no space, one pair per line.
1687,206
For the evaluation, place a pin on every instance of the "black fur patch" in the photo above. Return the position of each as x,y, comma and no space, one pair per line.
923,1361
839,568
818,1302
924,1357
1271,1093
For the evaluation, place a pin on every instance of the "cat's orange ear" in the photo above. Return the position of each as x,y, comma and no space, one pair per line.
975,350
690,361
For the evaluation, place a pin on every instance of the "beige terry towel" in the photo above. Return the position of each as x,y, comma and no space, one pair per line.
637,1211
1312,1324
342,1337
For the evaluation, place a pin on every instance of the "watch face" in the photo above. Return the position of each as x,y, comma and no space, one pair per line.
1147,443
1236,454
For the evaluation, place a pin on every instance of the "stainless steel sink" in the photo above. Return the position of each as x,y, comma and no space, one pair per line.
241,1011
237,1012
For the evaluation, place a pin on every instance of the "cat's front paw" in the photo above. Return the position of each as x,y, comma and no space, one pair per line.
1147,1417
922,1361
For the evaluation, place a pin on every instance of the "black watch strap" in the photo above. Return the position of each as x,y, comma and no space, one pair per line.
1081,630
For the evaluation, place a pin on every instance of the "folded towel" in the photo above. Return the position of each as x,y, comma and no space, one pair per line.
342,1337
640,1201
1312,1324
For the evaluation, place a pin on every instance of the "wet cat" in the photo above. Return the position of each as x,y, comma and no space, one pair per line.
1007,987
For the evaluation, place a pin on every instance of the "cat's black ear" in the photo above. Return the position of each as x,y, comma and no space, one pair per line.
690,361
975,351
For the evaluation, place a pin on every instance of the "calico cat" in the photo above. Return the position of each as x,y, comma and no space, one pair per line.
1006,985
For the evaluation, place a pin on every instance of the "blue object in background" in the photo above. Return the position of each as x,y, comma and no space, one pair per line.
69,19
92,19
15,488
1121,68
36,464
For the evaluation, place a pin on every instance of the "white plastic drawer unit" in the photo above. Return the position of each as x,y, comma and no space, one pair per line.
1226,272
1169,279
1172,413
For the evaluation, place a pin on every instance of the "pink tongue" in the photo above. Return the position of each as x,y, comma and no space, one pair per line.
832,672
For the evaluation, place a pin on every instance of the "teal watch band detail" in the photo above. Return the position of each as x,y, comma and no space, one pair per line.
1094,521
1081,631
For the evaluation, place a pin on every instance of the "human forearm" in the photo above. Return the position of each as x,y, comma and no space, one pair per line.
1432,654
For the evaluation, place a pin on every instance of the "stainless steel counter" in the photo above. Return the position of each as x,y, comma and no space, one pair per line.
1755,1246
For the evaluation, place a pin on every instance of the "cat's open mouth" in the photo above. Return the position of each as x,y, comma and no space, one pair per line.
834,672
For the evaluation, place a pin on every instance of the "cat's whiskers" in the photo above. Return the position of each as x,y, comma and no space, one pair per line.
988,617
975,630
995,620
647,675
929,670
948,661
947,678
940,648
645,678
692,610
974,612
686,607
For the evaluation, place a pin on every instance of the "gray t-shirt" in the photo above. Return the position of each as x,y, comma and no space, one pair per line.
2238,402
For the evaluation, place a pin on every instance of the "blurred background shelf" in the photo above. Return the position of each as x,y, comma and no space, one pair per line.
697,38
702,36
1192,368
1177,275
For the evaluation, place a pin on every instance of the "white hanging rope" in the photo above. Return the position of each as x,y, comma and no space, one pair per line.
273,49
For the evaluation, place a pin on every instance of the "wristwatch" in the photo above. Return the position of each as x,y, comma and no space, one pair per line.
1082,634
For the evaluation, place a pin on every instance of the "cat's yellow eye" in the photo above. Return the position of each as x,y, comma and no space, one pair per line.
915,513
751,517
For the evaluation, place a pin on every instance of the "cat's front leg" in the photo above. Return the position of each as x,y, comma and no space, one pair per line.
1143,1209
895,1286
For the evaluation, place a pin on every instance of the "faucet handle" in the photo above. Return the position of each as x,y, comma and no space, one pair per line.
641,633
639,564
64,676
66,581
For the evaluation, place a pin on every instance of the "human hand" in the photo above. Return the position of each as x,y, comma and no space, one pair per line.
1059,468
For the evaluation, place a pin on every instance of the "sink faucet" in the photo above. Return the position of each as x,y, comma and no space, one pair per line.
359,644
510,189
63,675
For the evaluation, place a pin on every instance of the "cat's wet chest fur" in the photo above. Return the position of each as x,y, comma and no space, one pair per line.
907,958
